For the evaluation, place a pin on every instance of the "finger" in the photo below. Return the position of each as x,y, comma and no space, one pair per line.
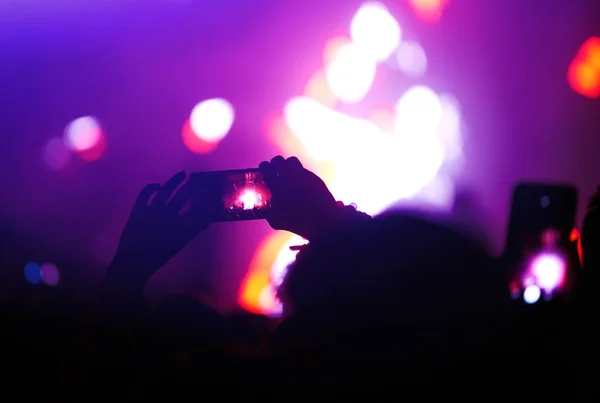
181,197
293,163
145,194
278,163
167,189
268,173
264,166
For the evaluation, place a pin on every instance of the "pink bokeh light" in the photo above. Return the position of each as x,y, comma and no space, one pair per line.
548,271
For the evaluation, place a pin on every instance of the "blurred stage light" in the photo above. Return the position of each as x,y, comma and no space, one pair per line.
259,273
267,271
584,71
194,143
317,88
429,11
268,302
212,119
82,133
33,273
450,131
85,137
326,134
419,112
411,59
547,271
332,48
284,258
395,154
351,73
375,31
55,154
383,118
437,193
50,274
532,294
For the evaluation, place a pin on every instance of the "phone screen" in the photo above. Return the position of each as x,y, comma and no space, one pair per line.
541,220
237,195
539,212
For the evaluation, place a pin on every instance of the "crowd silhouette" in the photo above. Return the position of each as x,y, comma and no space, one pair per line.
401,306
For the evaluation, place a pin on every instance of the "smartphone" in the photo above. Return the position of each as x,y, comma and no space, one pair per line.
539,209
234,195
541,220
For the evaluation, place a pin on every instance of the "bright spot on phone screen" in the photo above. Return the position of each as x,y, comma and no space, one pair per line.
249,199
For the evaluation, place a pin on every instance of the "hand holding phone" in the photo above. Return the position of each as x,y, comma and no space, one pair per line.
301,201
289,196
538,242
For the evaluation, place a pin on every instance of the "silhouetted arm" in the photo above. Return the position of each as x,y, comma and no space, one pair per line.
155,232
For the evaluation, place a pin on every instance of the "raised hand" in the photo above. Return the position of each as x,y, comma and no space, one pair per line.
301,202
158,229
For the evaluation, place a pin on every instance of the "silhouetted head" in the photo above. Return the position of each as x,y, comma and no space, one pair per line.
397,255
394,290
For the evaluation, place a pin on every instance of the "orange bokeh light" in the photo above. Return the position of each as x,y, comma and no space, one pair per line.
332,47
258,277
255,293
429,11
281,136
584,72
576,236
590,51
318,89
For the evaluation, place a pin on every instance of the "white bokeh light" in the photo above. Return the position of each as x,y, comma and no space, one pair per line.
212,119
367,160
532,294
350,75
419,112
82,133
375,30
268,302
439,193
411,59
393,170
326,134
284,258
450,130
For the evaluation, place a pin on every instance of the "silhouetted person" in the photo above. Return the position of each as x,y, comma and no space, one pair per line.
394,300
155,232
157,229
